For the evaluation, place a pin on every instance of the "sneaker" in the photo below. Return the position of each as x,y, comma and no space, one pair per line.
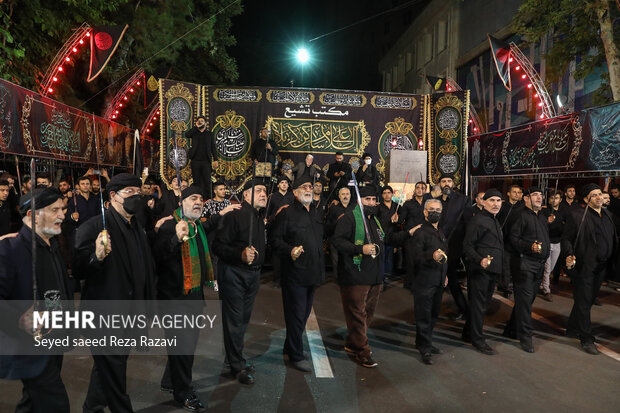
367,362
547,297
349,350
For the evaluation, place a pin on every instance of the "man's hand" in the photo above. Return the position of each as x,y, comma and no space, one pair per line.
161,221
104,173
571,260
151,203
268,146
414,229
75,216
103,245
11,235
369,249
536,247
551,218
229,208
485,263
394,218
440,256
182,230
69,194
296,252
216,164
248,255
26,322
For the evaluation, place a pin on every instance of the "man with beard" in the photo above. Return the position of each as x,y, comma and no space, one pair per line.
530,241
26,184
570,201
240,262
297,238
457,211
43,181
478,203
388,217
556,221
339,174
336,211
202,153
307,167
506,216
319,201
367,173
360,273
483,247
183,268
428,248
85,205
65,189
116,264
5,209
263,150
411,213
44,391
591,244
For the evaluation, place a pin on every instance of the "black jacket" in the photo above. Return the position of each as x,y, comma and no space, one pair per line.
385,216
586,250
527,228
369,176
333,213
127,273
411,213
276,202
341,181
370,271
202,147
233,235
556,228
260,152
506,217
425,241
295,226
168,257
484,237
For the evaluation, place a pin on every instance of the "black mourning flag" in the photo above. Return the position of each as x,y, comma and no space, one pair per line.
501,55
436,83
103,43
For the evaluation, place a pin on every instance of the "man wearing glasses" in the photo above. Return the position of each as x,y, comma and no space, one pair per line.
116,264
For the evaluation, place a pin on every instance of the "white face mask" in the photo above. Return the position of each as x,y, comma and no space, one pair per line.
367,161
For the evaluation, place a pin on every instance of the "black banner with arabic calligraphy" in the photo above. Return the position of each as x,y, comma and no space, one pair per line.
447,115
316,121
547,146
34,125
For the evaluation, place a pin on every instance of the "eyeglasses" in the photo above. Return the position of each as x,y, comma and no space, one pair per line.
306,187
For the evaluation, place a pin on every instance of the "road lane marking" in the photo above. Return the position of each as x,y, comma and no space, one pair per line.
320,360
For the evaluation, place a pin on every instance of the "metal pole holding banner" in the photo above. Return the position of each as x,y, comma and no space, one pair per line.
33,210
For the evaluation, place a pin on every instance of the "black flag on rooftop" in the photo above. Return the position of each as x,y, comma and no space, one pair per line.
501,55
436,83
103,43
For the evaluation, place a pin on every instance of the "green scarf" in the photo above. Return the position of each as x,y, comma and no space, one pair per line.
360,233
191,258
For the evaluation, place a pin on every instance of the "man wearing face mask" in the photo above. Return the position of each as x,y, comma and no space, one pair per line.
297,238
457,211
367,174
428,248
44,390
529,237
360,270
202,153
339,174
239,265
116,264
183,280
483,247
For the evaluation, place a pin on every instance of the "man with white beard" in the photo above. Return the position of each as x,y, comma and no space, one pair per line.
297,237
44,390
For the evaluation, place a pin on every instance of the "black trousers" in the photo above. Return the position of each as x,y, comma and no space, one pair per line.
45,393
480,286
201,172
503,281
526,282
297,303
585,289
238,288
426,306
455,286
108,385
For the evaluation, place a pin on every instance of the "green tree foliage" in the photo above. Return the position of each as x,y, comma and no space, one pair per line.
578,32
186,38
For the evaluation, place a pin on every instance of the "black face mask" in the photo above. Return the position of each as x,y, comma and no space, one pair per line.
433,217
132,204
371,210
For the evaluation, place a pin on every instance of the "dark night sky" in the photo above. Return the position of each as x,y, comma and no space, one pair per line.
269,31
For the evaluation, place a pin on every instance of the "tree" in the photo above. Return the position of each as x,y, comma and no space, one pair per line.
582,29
188,39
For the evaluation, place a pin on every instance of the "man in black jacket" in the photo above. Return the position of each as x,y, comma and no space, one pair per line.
339,174
297,238
336,210
428,246
483,247
116,264
44,390
388,218
556,220
264,150
412,211
457,211
202,153
360,270
591,244
239,265
183,281
506,216
529,237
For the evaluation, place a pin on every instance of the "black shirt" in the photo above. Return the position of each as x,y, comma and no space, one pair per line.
278,201
233,236
529,227
203,147
5,218
483,238
425,241
385,215
556,228
86,208
260,152
335,211
604,228
339,181
411,213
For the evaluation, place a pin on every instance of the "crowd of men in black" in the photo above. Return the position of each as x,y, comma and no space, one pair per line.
512,241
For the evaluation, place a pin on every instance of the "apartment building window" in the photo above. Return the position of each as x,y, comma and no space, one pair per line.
420,54
428,47
394,77
442,35
408,61
388,82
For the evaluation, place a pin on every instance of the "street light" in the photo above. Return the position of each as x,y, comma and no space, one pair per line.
302,55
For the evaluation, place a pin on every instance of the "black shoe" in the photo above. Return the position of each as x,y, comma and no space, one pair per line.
506,293
459,317
435,350
349,350
302,365
166,389
547,297
367,362
250,368
527,347
484,348
246,377
510,334
597,302
590,348
427,358
572,334
193,404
